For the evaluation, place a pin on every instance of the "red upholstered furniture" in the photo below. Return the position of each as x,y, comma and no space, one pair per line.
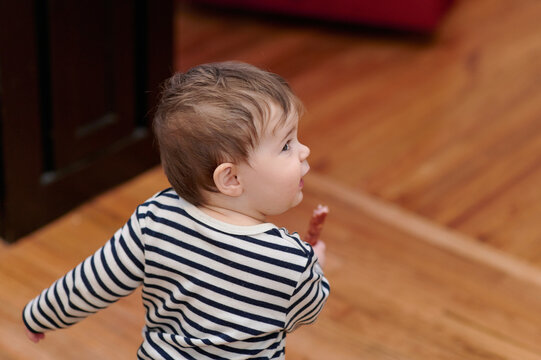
414,15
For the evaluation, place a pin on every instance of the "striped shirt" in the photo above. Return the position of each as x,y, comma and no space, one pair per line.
211,290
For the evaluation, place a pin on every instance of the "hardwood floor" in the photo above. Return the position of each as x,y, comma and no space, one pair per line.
426,149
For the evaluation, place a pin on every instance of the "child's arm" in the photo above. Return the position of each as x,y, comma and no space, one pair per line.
114,271
311,293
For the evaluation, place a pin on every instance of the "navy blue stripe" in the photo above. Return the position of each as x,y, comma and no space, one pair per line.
278,354
199,350
50,305
121,265
309,262
326,286
307,291
127,250
190,322
68,292
161,316
159,326
213,272
144,353
110,273
302,311
58,301
62,307
249,239
156,347
170,193
301,286
296,238
40,310
221,307
219,290
307,318
47,317
177,349
134,236
223,347
215,304
32,316
98,277
250,351
87,282
276,233
37,321
220,259
203,314
262,338
77,292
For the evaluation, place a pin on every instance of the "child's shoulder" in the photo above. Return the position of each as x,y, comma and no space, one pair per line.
166,199
169,193
165,195
293,240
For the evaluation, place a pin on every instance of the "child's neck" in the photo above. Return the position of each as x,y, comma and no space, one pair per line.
230,216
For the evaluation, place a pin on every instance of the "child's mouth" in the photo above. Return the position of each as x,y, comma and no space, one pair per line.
301,183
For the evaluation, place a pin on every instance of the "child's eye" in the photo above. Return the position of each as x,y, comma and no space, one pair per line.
286,146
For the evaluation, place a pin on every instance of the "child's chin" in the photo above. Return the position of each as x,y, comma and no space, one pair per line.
298,200
293,203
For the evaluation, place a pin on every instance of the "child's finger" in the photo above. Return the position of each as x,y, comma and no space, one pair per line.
34,337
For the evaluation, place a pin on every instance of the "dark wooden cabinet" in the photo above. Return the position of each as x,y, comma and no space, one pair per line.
78,82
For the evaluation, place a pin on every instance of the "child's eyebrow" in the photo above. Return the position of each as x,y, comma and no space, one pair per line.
291,131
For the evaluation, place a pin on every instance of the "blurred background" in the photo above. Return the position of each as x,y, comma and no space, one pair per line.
424,123
443,120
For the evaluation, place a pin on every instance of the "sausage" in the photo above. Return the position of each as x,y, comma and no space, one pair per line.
316,224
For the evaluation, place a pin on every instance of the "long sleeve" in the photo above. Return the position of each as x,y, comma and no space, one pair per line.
113,271
309,296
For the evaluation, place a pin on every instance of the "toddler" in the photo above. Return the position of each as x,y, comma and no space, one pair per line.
219,282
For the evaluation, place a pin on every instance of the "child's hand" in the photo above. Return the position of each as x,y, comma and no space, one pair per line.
319,248
34,337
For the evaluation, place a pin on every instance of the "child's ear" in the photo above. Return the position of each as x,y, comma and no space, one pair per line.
225,179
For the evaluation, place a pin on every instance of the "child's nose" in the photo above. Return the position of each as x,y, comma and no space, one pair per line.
305,152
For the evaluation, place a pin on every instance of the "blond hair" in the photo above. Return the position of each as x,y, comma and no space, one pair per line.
215,113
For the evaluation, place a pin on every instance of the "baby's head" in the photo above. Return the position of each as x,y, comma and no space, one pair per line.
216,113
